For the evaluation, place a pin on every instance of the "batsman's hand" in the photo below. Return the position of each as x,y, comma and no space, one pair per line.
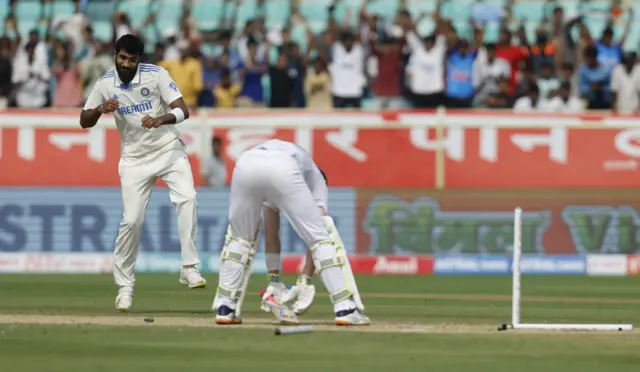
148,122
111,105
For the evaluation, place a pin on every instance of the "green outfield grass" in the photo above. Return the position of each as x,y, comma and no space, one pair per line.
420,324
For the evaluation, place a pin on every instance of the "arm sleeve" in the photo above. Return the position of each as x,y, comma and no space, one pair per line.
167,87
95,98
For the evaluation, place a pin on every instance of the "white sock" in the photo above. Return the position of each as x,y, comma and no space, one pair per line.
273,261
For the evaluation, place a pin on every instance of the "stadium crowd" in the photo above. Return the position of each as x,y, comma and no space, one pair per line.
385,63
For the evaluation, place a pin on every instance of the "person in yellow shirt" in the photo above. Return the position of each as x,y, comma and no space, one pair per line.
226,92
187,74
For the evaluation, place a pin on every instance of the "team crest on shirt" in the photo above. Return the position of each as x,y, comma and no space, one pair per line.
144,91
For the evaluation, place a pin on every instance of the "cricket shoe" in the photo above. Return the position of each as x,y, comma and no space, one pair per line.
124,299
351,317
227,315
191,276
277,290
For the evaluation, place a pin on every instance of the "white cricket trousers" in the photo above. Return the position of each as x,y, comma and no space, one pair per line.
275,177
137,182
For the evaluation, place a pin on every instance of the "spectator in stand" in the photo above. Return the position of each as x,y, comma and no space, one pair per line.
317,89
542,53
530,102
426,71
282,83
226,92
547,83
347,72
610,51
157,55
297,68
502,99
211,72
85,49
6,70
595,80
94,67
67,75
387,86
215,170
186,72
41,54
487,74
459,72
251,71
513,54
527,80
568,74
31,77
564,103
625,86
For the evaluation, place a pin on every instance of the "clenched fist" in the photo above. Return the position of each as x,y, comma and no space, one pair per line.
111,105
149,122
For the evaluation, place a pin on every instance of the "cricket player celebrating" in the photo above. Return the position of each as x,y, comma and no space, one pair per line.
281,174
146,104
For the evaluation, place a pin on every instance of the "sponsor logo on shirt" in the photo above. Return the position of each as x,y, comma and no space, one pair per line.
137,108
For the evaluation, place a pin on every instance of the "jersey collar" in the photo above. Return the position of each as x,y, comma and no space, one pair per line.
119,84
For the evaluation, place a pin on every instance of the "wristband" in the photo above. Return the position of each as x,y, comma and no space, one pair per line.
179,114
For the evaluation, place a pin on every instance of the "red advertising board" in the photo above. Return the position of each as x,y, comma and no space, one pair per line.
372,265
391,150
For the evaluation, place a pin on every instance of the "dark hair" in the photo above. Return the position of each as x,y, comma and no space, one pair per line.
323,176
607,32
130,44
534,89
216,139
566,85
591,51
34,31
30,45
251,41
224,73
490,47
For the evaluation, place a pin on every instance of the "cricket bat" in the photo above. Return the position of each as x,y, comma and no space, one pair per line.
283,314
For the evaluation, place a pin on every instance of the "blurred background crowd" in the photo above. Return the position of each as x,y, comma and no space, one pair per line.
525,55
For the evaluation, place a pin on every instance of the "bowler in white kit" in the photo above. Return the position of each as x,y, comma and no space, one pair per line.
146,105
282,175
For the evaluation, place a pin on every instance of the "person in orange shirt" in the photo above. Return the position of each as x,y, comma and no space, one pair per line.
226,92
187,74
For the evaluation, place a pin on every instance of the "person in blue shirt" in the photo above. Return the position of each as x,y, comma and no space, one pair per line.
609,52
459,68
297,69
595,80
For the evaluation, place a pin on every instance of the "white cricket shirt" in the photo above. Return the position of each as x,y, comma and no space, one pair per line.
149,93
312,176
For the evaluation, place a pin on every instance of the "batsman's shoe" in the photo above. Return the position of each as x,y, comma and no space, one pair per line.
277,290
124,299
191,276
351,317
227,315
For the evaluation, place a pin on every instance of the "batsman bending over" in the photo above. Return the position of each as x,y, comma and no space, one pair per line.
281,174
303,292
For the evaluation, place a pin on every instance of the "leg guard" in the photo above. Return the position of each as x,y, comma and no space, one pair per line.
346,267
235,269
329,264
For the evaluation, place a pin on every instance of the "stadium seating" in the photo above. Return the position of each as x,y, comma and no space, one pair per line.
209,14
